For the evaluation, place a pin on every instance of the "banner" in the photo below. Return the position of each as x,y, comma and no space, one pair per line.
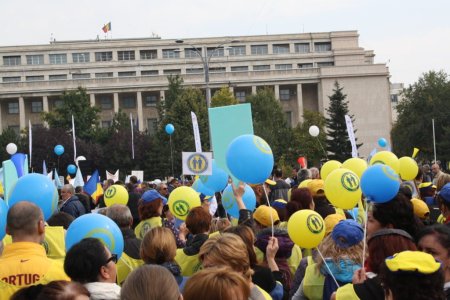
198,144
114,176
139,174
197,163
351,135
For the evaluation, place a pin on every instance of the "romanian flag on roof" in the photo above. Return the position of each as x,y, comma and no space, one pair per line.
93,186
107,27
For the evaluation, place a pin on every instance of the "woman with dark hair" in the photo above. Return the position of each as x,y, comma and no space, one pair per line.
91,263
300,199
150,209
54,290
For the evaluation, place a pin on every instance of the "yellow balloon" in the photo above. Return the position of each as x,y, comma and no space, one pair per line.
182,200
306,228
342,188
116,194
356,165
328,167
408,168
386,158
304,183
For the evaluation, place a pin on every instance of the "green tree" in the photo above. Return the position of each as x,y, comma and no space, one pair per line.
426,99
9,136
75,103
338,143
223,97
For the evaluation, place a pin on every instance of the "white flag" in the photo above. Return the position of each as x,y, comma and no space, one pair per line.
114,177
132,136
198,144
351,135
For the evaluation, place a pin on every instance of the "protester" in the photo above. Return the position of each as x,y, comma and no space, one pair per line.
303,174
133,202
60,219
55,290
301,198
442,180
321,204
91,263
265,216
436,171
280,190
150,211
179,232
70,203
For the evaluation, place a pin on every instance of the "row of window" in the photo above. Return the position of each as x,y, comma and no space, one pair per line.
165,72
84,57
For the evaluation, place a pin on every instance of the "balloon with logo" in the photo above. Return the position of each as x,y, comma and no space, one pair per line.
11,148
217,181
408,168
230,204
38,189
380,183
356,165
170,129
386,158
328,167
342,188
201,188
182,200
116,194
250,159
95,226
71,169
3,214
382,142
59,150
306,228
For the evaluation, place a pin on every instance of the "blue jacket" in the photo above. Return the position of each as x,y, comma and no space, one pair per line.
73,207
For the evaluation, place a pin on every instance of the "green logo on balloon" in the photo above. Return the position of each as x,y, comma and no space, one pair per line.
389,172
262,145
350,181
98,232
181,208
110,192
314,223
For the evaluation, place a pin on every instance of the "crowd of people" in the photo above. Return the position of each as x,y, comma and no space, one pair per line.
399,250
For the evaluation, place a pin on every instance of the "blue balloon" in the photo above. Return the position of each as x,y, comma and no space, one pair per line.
229,201
71,169
380,183
3,214
250,159
96,226
382,142
199,187
217,181
38,189
170,129
59,150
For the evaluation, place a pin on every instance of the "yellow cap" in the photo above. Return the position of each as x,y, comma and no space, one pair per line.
413,261
304,183
270,182
425,185
262,215
316,187
420,208
331,221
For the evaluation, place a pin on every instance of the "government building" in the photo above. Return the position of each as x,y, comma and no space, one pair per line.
131,75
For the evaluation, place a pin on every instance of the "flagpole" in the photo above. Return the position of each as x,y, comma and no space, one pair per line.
434,141
171,154
132,136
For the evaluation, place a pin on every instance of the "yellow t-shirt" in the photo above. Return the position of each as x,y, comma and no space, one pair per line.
189,264
125,266
145,225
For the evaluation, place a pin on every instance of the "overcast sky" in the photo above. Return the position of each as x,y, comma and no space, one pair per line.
412,37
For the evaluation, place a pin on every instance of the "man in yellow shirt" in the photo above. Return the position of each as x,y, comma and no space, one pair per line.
24,262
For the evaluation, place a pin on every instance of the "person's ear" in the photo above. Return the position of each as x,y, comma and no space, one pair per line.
41,226
104,272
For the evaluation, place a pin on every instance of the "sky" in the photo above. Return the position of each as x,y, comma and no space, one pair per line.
411,37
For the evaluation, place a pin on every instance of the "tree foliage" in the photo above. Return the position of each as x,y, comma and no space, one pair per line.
223,97
426,99
338,143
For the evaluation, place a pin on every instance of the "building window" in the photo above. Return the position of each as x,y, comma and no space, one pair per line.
305,65
35,59
194,71
239,69
106,103
259,49
152,126
14,128
36,106
11,79
261,68
283,67
325,64
171,53
104,75
301,48
58,103
127,74
125,55
149,73
103,56
148,54
13,108
80,57
81,76
394,98
128,102
106,124
215,52
34,78
240,95
11,60
217,70
57,59
192,53
288,115
285,94
172,72
322,46
150,100
57,77
281,49
237,50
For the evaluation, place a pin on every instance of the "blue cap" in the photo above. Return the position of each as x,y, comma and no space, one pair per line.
151,195
444,193
347,233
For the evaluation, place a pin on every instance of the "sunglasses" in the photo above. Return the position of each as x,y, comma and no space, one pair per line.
113,258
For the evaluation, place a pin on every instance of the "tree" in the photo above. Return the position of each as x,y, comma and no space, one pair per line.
338,143
9,136
76,103
223,97
426,99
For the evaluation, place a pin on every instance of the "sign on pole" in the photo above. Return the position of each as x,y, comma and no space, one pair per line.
197,163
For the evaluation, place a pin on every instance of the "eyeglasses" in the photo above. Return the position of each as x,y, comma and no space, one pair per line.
113,258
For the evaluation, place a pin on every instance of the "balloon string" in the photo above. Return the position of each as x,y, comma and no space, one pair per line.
365,235
328,268
268,203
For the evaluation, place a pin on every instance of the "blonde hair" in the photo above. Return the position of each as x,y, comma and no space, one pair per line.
329,249
217,283
158,246
150,282
227,250
219,224
442,180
